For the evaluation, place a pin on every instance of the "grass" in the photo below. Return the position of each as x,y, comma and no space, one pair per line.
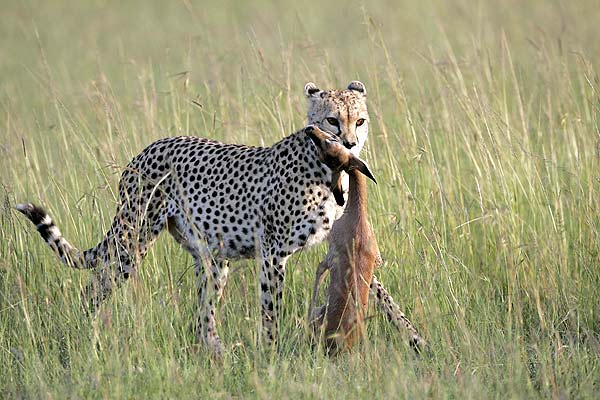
484,140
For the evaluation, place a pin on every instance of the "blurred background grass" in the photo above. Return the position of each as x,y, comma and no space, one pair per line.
484,138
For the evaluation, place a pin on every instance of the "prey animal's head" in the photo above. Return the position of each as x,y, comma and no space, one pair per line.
338,158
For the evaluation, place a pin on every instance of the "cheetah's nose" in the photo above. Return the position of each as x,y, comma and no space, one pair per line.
349,145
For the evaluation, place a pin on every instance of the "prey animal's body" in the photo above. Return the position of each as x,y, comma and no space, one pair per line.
351,260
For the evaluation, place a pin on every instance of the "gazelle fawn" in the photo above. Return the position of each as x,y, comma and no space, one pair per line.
352,257
351,260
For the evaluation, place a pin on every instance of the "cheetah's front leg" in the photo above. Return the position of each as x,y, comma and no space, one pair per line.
272,273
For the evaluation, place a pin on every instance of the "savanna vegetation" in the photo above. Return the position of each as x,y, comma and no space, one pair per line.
483,137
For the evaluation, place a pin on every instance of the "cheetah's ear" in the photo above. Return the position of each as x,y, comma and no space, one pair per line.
311,90
357,163
358,86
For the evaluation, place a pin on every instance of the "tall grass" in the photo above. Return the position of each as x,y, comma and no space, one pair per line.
484,138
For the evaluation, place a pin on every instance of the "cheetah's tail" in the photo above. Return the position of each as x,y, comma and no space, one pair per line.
68,254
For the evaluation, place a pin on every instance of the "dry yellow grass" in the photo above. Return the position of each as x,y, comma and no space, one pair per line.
484,140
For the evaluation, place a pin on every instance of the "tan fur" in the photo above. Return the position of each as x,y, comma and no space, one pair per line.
351,260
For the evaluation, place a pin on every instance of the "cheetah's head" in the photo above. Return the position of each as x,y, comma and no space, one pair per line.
341,112
337,157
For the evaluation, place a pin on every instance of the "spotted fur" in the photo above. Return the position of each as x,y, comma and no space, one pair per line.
220,202
345,113
341,112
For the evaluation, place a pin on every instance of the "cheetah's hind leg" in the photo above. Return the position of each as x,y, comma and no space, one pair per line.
210,291
395,315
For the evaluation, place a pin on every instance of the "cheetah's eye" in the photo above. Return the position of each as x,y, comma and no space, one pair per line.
360,121
333,121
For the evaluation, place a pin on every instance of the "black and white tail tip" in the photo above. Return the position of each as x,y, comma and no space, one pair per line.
44,224
37,215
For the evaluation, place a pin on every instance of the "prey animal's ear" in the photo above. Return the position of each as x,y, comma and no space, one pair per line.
357,163
336,188
358,86
311,132
311,90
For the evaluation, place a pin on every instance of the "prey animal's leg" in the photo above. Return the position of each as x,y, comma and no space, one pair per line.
315,315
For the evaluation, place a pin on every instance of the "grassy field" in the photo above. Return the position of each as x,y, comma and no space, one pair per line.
484,139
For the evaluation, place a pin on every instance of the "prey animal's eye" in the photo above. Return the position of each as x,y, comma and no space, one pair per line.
360,121
332,139
333,121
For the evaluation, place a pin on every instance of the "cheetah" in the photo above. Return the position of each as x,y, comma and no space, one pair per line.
341,112
220,202
345,113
